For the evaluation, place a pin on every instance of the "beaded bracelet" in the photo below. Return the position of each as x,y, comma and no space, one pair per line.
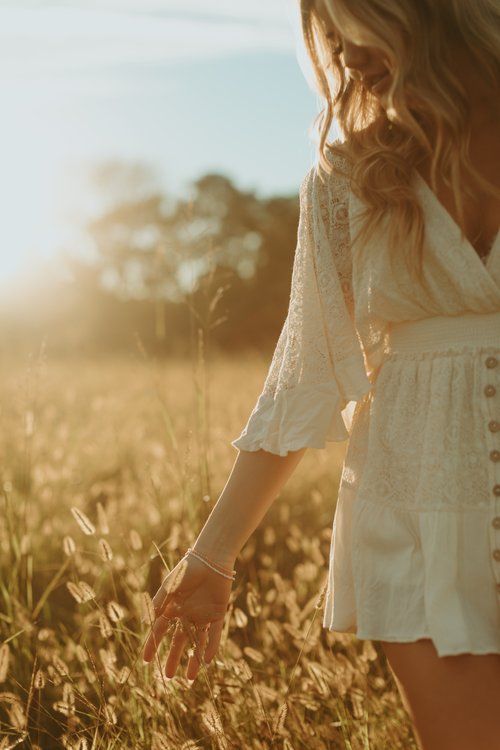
212,565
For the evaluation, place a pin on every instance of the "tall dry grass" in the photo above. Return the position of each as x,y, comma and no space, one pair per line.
108,471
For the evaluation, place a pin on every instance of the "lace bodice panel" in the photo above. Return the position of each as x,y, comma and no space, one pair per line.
333,200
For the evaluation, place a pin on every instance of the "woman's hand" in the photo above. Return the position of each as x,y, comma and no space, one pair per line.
198,597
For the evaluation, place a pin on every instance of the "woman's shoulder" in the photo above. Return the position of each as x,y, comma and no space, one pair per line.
338,154
334,180
340,160
328,190
333,184
322,181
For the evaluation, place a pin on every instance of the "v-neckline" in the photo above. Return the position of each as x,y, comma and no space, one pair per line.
486,264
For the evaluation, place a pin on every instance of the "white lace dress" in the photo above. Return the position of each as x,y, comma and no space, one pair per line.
411,377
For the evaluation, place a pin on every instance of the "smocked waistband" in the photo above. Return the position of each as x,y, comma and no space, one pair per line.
440,332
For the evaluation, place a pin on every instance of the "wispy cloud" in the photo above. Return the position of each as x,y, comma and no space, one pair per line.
37,37
262,11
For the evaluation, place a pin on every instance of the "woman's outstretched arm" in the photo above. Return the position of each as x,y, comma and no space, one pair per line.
255,481
195,593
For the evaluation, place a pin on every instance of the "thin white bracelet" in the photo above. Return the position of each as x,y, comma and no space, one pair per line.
222,568
231,577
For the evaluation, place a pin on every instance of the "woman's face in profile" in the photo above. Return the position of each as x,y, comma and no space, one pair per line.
361,62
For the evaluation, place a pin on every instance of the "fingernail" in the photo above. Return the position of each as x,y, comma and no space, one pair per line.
190,681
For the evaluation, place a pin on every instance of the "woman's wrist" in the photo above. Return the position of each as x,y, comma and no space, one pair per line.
226,572
215,553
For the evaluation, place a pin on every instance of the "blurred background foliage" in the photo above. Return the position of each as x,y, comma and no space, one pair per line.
160,268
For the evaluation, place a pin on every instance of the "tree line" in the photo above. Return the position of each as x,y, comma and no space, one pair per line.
161,271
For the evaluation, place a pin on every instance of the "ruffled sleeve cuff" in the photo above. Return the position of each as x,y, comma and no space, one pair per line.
306,416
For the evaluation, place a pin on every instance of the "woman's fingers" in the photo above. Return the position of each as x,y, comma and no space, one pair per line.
214,634
195,661
158,630
164,618
179,641
196,599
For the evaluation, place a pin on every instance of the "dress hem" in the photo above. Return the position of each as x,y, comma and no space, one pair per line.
410,639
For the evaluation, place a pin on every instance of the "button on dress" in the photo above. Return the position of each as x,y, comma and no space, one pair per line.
408,372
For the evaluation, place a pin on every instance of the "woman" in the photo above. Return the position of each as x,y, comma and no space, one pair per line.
394,307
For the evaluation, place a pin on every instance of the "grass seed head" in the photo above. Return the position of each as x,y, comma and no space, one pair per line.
83,521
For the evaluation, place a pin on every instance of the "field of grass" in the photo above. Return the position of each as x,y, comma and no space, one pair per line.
141,450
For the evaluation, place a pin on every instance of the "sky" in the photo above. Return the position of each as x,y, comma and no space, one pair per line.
185,86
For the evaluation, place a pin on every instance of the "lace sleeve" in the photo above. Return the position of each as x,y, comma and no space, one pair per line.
318,365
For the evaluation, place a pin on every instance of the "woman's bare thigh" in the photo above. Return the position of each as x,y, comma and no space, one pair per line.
453,701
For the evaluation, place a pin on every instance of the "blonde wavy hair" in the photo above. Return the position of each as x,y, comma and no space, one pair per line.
417,39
